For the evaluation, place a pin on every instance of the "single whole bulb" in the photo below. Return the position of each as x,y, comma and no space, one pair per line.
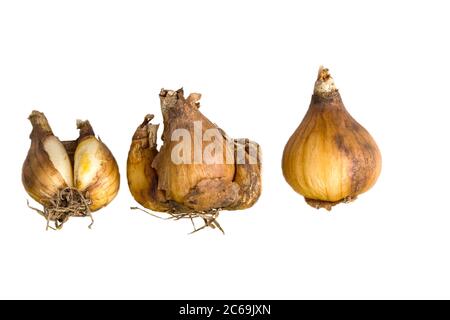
330,158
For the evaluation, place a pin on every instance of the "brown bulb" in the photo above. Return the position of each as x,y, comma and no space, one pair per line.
198,170
68,178
330,158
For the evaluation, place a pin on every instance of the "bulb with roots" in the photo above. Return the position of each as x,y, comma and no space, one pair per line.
198,171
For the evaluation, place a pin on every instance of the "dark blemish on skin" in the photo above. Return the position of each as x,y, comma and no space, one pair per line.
193,202
154,187
357,172
358,176
352,125
339,141
368,147
356,127
194,192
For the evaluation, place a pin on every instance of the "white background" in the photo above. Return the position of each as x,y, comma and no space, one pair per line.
255,64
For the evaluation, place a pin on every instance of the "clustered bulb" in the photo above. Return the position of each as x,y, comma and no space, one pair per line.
68,178
330,158
198,170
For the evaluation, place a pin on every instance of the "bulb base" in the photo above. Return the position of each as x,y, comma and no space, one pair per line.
318,204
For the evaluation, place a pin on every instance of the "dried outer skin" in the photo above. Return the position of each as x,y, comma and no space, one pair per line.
212,194
39,177
103,188
242,192
248,175
238,190
179,180
142,178
330,158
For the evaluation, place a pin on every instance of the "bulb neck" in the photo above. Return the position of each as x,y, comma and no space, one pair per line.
324,85
147,133
174,104
40,124
85,129
170,102
333,97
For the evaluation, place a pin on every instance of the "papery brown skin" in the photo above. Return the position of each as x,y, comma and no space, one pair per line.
161,185
142,178
330,158
39,177
247,175
181,182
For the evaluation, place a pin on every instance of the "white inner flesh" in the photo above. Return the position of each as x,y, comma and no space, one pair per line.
60,159
87,163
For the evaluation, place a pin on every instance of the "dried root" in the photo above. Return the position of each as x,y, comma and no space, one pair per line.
69,202
209,217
